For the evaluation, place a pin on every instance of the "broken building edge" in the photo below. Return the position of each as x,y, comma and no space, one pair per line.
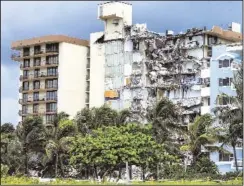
142,66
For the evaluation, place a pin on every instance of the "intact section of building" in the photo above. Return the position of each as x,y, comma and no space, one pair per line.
225,61
53,73
142,66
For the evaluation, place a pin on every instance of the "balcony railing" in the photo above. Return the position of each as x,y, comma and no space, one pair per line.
30,101
51,111
23,89
37,75
23,112
51,50
15,56
26,54
36,52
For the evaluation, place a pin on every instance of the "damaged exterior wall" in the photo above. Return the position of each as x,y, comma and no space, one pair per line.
143,66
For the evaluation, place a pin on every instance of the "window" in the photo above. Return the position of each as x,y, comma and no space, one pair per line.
52,47
24,109
37,49
53,71
168,93
25,74
52,83
135,45
37,73
25,97
36,84
50,118
225,157
225,63
51,60
208,101
212,40
37,61
26,63
225,81
51,95
25,85
35,108
36,96
51,107
26,51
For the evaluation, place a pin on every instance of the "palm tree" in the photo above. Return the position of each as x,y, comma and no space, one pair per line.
90,119
30,133
165,118
123,117
200,134
58,140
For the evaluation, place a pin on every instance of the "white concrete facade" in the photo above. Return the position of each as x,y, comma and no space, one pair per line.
72,78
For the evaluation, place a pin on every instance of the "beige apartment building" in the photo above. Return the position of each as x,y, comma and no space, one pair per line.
54,74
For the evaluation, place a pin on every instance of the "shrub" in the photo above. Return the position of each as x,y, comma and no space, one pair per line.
4,170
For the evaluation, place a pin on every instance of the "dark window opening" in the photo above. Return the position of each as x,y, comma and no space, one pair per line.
135,45
51,107
52,71
26,63
37,49
35,108
36,84
225,157
52,47
36,96
25,85
37,61
26,51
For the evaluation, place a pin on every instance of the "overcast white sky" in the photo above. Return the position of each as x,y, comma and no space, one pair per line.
26,19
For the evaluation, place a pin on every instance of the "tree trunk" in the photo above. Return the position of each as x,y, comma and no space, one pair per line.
62,166
235,158
157,172
56,165
95,170
120,172
143,174
130,172
26,160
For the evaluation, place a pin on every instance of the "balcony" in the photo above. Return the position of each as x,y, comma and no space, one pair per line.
18,57
15,56
37,100
36,52
41,65
25,54
38,76
53,111
205,91
205,110
21,113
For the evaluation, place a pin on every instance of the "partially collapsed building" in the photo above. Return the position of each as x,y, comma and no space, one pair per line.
132,67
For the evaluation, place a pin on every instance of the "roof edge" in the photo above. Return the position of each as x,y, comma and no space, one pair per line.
16,45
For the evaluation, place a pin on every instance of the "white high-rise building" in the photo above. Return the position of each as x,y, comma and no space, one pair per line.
53,73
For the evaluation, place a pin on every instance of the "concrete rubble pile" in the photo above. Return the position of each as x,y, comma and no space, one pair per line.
166,62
